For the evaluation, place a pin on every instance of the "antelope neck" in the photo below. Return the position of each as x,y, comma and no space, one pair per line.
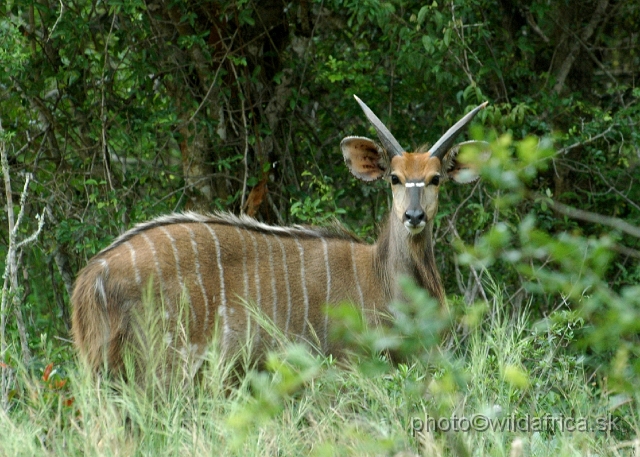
411,255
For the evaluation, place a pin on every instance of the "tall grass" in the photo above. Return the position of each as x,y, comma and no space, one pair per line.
305,404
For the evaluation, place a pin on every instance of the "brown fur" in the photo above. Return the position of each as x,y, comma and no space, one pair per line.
104,297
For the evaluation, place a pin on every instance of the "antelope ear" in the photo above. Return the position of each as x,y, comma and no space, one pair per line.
460,172
366,159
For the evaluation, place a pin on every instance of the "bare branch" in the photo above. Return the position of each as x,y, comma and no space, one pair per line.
61,258
245,155
57,20
625,250
454,216
532,23
34,236
587,141
215,79
622,195
596,218
10,299
565,68
23,197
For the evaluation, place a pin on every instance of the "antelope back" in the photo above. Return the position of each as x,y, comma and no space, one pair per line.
212,264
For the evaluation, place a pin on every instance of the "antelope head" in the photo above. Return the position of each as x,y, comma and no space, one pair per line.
415,178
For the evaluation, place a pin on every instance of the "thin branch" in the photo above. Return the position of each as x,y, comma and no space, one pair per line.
245,156
34,236
215,79
532,23
23,198
57,21
567,64
587,141
464,64
612,187
454,216
193,185
246,138
473,270
10,286
103,115
626,250
587,49
596,218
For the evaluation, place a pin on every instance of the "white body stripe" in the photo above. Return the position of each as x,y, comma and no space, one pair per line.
226,330
99,285
198,356
274,289
256,274
183,288
99,288
286,282
159,281
105,266
303,281
325,249
196,261
355,275
245,273
216,242
154,254
245,276
136,272
222,308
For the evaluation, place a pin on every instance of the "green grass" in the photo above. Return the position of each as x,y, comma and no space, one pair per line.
304,404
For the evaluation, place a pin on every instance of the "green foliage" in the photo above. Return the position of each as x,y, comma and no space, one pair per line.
104,102
302,403
413,331
12,51
287,375
567,265
319,206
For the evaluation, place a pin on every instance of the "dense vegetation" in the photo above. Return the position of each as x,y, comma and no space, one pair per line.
113,112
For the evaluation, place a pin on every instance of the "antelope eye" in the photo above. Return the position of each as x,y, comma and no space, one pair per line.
395,180
435,180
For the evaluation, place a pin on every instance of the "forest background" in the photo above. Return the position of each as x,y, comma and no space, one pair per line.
113,112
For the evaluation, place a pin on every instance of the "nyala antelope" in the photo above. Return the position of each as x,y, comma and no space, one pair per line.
215,264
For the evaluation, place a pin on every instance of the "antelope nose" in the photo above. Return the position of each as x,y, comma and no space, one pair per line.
414,216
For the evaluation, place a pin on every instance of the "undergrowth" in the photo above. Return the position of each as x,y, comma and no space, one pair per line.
501,385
